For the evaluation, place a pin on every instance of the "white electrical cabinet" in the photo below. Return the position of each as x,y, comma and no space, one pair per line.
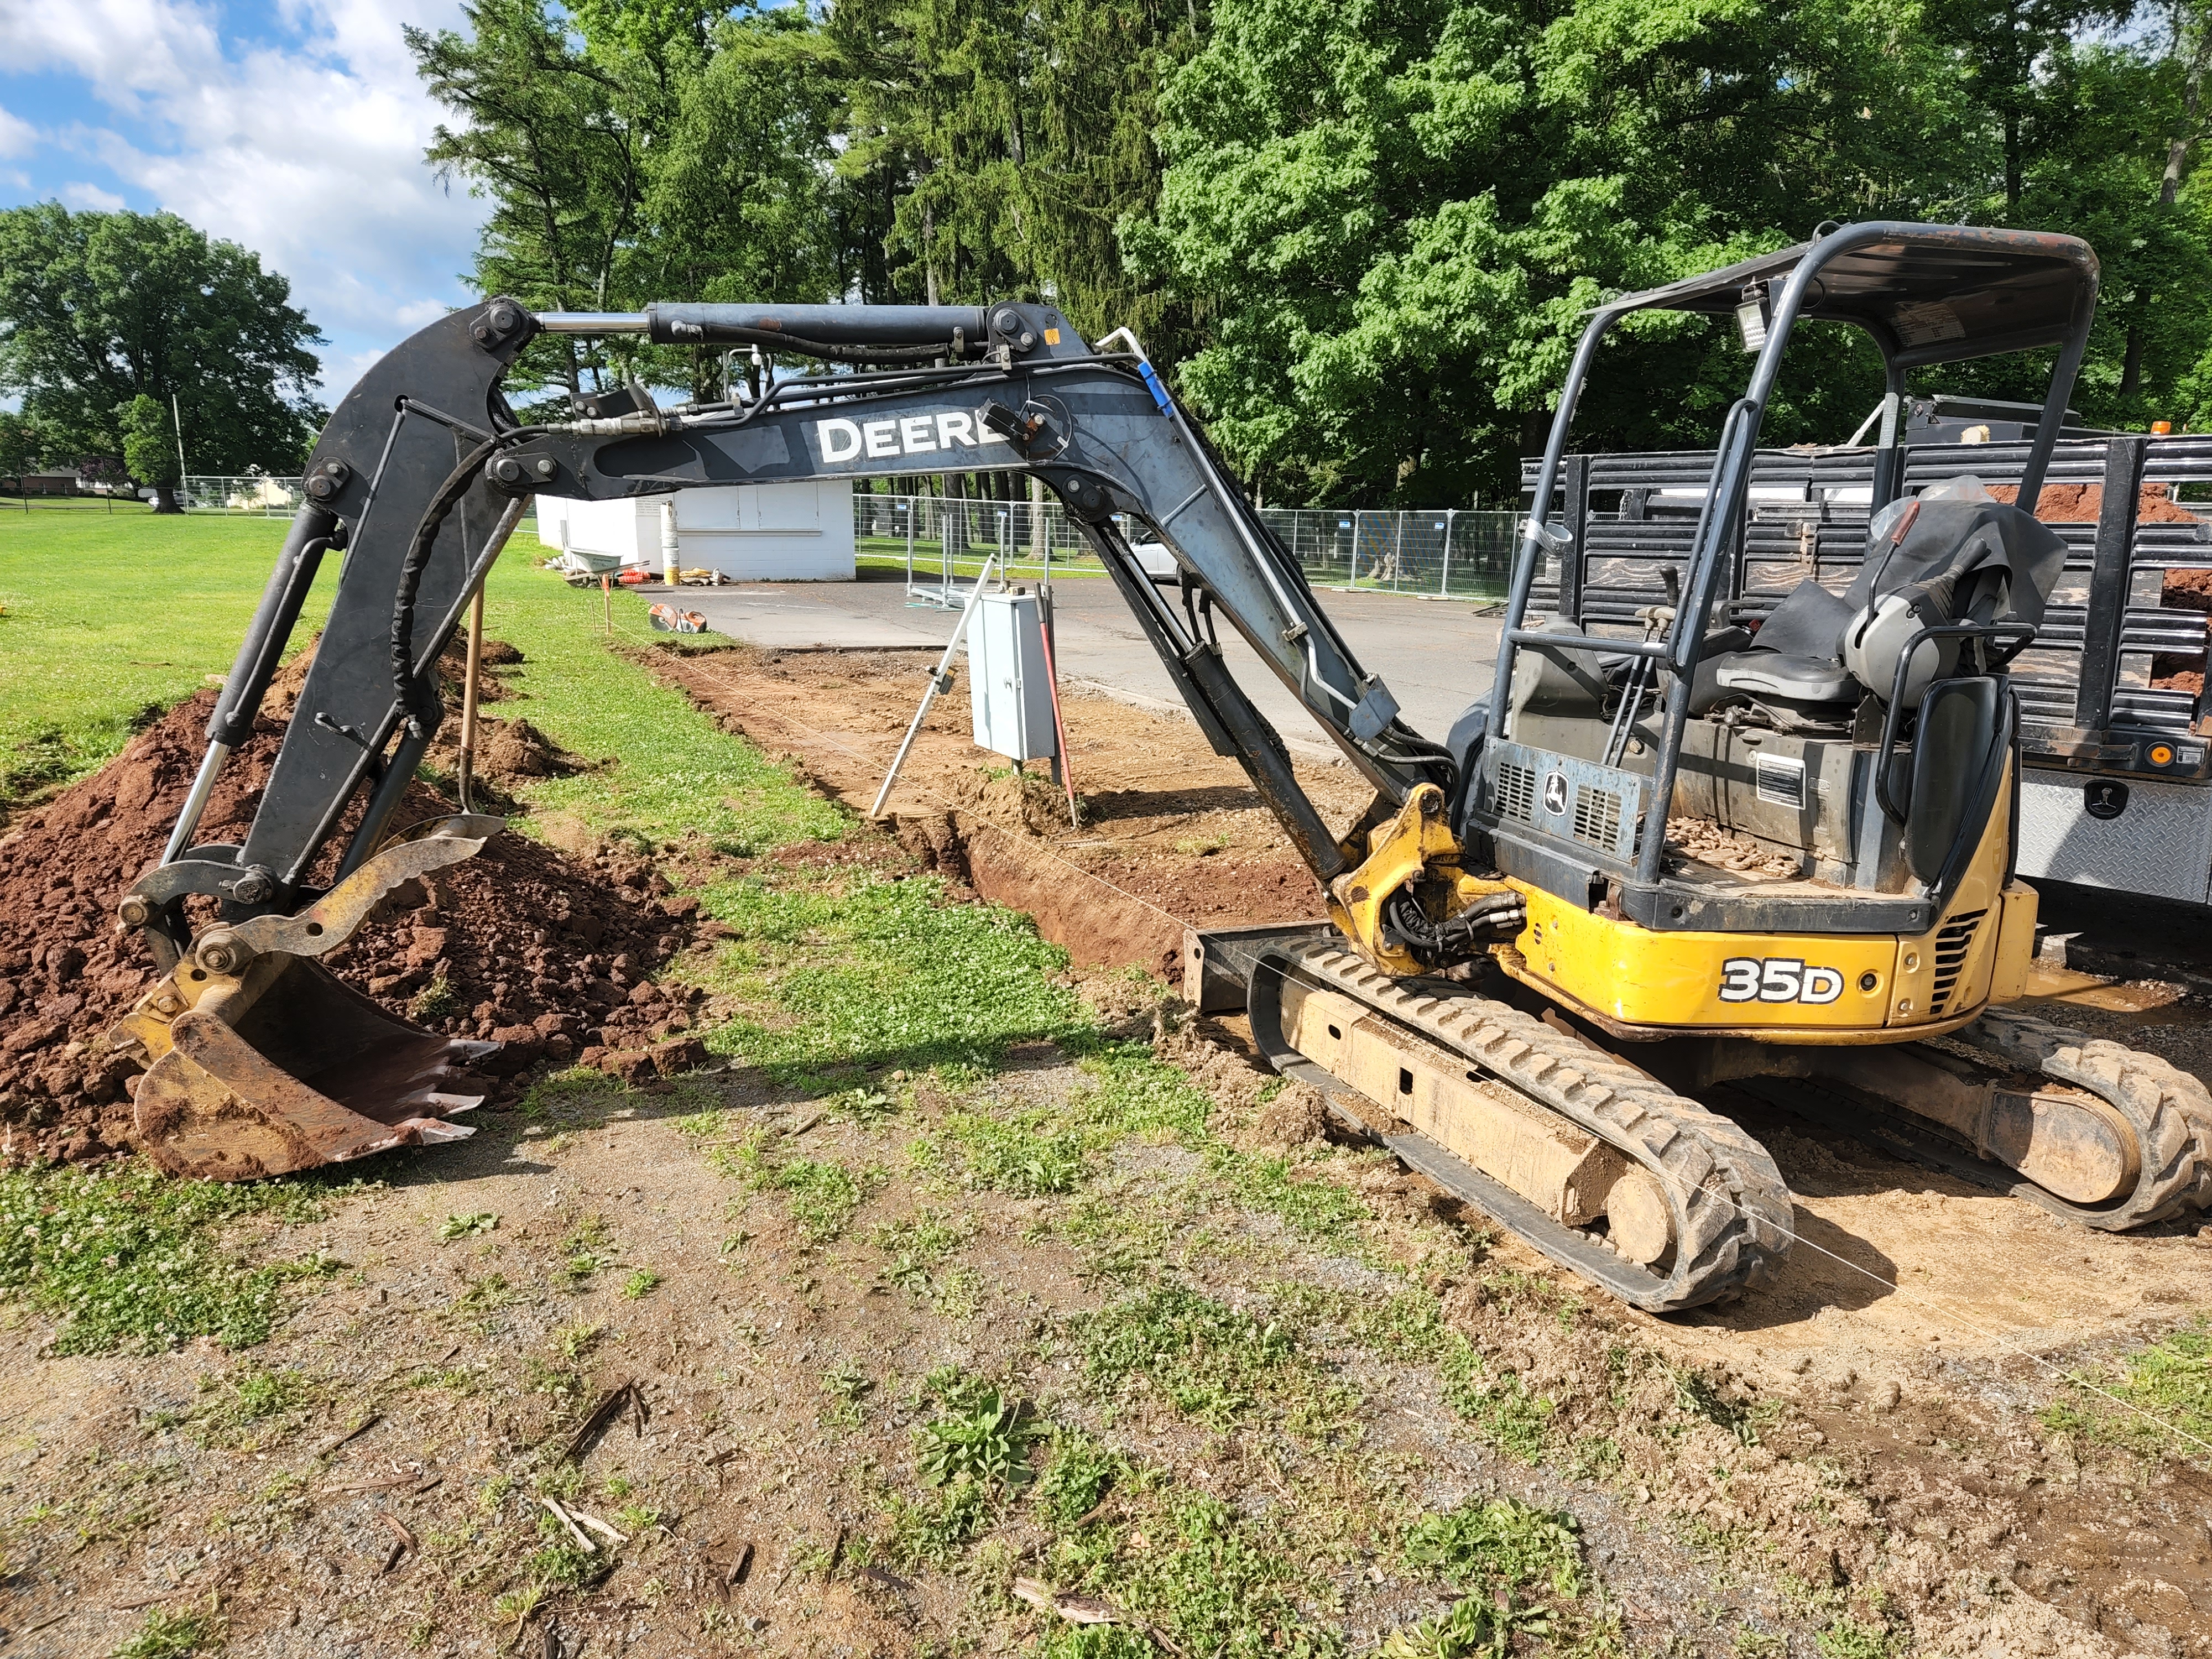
1007,685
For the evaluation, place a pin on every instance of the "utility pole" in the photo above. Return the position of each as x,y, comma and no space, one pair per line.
177,416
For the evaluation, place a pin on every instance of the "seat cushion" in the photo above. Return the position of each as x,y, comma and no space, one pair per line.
1782,674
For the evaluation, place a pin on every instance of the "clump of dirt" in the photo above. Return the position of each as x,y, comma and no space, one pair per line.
546,953
2082,503
1024,799
519,750
2183,671
1707,842
2186,590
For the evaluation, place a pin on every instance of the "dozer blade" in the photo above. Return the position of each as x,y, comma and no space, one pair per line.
263,1062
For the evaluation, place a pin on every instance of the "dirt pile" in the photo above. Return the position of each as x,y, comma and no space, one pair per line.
2082,503
546,953
1026,800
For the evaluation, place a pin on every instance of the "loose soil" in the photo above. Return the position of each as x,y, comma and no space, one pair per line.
547,952
2083,503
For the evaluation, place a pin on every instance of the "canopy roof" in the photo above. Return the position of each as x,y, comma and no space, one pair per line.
1928,293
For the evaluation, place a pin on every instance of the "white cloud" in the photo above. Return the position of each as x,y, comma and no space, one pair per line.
83,196
17,135
310,153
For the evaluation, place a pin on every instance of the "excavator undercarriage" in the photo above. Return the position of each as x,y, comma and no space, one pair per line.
1528,977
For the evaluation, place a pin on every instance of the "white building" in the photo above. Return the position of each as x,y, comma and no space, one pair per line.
793,533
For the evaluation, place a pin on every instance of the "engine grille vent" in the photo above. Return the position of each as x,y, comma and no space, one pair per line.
1952,942
1597,817
1516,792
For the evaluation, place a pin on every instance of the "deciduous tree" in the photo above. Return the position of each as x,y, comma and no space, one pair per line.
98,309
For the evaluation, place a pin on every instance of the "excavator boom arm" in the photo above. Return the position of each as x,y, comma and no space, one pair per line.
423,468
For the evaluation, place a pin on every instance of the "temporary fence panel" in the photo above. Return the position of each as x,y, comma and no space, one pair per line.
251,495
1455,552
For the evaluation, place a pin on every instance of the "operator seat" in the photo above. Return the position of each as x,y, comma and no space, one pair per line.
1952,553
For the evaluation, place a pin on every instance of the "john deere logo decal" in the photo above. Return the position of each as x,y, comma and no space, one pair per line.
1555,794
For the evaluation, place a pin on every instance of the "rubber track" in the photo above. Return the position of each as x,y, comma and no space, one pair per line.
1733,1210
2170,1110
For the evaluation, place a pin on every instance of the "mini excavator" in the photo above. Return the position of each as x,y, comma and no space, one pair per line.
1527,975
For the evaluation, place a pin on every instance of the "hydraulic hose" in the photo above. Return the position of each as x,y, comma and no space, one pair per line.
1460,936
413,697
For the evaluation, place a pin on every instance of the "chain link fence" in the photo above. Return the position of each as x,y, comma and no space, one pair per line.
1459,553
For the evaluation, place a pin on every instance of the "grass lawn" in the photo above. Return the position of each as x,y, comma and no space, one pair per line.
108,615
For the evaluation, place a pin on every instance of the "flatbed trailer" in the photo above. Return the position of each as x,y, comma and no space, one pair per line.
2114,728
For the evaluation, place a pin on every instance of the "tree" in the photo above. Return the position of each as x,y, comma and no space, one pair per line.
1006,141
98,309
22,445
1395,214
636,150
548,136
150,450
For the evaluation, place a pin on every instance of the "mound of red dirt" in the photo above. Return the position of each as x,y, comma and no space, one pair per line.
2082,503
546,952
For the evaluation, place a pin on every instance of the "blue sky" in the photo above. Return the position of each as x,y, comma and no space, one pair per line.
295,128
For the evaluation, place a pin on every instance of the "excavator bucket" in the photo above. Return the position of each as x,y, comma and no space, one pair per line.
262,1061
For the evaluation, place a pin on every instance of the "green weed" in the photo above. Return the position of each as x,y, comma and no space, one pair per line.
574,1341
467,1226
1132,1091
932,1530
125,1258
1080,1474
980,1439
563,1563
1475,1627
588,1247
820,1194
1847,1638
1499,1541
242,1401
845,1384
2140,1399
1213,1362
640,1283
172,1635
1501,1407
1216,1590
1319,1209
1027,1154
436,1001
